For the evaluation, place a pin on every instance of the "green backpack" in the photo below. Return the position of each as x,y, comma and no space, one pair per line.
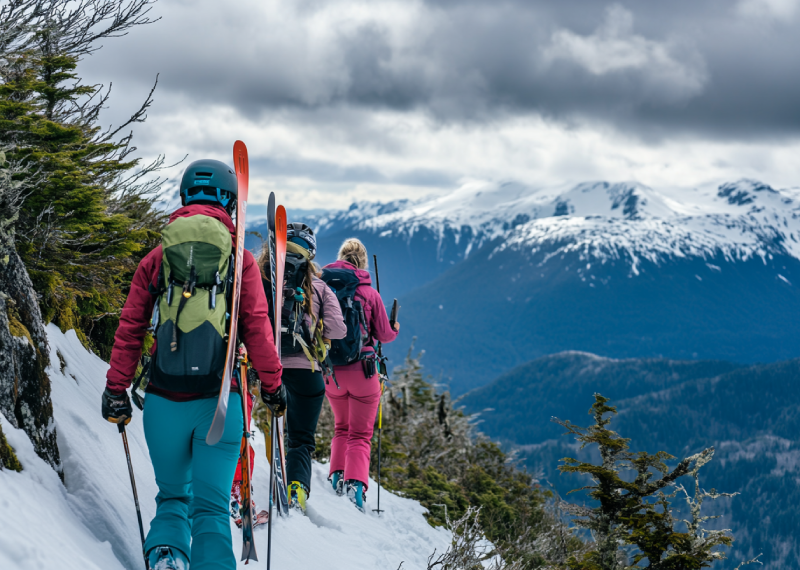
190,316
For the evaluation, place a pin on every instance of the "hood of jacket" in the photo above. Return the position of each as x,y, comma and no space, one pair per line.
205,210
362,274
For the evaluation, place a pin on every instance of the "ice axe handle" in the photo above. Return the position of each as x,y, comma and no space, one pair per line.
395,310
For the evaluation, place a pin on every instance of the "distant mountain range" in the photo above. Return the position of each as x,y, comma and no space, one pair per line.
751,414
492,276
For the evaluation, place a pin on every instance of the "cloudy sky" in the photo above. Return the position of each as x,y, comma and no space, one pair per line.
340,100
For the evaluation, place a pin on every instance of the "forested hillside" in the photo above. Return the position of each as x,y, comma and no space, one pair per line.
748,413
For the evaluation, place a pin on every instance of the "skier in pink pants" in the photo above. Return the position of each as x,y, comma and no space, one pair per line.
355,403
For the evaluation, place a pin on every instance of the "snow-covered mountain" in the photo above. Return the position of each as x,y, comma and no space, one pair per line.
492,275
88,522
600,220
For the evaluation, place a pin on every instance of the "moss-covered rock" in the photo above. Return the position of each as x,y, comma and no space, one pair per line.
8,459
25,398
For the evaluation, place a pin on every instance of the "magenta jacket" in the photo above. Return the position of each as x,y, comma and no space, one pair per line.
374,310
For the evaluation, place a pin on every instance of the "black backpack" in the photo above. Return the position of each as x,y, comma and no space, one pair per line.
294,329
343,282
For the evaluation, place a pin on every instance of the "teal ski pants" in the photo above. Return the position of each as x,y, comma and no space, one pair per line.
194,479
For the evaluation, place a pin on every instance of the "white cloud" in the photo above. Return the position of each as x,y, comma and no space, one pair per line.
275,74
614,48
783,10
530,150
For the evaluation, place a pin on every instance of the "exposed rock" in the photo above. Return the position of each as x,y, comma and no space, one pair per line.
24,357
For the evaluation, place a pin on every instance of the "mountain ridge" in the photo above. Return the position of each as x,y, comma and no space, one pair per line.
741,218
492,275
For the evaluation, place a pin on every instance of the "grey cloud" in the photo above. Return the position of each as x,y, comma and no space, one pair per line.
426,177
329,172
314,169
702,67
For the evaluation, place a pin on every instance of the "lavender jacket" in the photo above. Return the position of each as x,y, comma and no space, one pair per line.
324,305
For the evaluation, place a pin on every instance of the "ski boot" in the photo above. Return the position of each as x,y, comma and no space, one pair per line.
259,518
236,513
236,503
167,558
357,494
298,495
337,482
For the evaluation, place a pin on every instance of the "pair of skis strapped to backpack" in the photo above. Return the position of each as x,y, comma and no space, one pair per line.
276,225
241,166
277,245
235,360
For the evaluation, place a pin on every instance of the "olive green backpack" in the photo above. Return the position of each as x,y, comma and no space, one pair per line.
191,313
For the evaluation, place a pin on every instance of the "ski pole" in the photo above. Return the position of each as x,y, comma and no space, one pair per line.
384,376
380,429
377,279
273,427
121,427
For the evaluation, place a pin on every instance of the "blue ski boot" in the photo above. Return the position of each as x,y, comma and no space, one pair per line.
356,494
167,558
337,482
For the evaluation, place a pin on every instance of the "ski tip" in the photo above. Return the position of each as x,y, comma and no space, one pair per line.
280,219
240,159
241,165
214,434
249,551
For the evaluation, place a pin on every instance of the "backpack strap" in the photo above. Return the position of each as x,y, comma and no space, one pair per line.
159,288
156,291
188,291
362,318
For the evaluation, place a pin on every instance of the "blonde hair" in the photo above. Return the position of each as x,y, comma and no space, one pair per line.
353,251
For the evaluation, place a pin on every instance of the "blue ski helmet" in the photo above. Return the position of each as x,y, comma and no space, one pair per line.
302,235
211,181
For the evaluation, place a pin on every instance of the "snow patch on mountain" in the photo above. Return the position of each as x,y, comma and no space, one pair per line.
89,521
600,221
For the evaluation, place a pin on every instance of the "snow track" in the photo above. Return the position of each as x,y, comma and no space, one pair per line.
89,522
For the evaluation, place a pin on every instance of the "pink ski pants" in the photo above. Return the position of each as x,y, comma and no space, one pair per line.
355,406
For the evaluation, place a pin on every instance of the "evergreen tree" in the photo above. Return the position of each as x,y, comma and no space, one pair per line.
90,214
633,524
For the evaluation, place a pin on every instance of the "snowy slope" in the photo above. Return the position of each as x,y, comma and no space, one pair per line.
90,522
602,221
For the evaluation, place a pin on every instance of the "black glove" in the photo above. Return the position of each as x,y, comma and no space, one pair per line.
276,400
116,407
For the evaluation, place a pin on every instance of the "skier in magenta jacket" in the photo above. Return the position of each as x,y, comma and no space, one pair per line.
194,478
356,402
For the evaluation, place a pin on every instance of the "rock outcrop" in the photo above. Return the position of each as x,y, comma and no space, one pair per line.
24,354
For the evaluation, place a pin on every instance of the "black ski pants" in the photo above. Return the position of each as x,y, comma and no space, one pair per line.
305,391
